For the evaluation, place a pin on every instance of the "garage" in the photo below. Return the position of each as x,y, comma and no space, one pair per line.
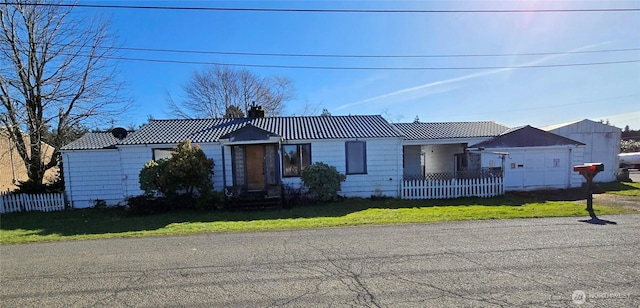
532,159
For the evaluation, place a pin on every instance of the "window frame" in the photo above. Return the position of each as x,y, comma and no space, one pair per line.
153,153
300,159
348,170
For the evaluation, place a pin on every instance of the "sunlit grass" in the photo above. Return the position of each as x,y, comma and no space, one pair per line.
111,223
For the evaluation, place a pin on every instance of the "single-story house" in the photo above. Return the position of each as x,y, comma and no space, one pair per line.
251,155
265,156
532,159
602,144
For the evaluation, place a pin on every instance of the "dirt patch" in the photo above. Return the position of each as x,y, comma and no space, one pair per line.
628,202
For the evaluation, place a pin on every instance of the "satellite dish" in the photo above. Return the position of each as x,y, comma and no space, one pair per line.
119,133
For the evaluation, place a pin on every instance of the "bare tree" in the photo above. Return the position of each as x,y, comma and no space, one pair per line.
212,91
55,72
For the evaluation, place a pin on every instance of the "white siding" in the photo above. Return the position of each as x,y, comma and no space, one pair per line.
602,145
214,151
112,175
92,175
384,166
534,168
133,159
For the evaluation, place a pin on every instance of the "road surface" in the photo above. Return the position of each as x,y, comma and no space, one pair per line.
555,262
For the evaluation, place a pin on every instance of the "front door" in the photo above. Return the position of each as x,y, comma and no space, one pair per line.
255,167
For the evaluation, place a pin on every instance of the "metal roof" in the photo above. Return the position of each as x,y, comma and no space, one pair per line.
584,126
93,141
525,136
448,130
290,128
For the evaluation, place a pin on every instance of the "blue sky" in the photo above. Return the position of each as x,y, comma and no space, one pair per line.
505,94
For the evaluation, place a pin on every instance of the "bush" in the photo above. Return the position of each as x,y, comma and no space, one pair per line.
323,181
211,200
187,172
147,205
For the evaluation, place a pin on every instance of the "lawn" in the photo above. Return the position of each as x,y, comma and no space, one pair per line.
111,223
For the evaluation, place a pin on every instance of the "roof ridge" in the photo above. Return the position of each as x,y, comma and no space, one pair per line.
278,117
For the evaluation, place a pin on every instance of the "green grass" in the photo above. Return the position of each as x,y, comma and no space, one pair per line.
111,223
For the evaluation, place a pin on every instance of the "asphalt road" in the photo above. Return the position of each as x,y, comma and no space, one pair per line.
556,262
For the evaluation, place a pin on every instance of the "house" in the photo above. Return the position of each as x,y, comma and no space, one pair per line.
532,158
251,155
12,168
602,144
260,156
438,150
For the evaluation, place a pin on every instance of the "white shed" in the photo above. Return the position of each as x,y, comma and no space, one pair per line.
533,159
602,144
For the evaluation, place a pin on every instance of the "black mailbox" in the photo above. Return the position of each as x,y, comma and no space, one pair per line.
589,171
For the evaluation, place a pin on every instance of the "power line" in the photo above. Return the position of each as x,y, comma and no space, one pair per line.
368,68
290,10
366,56
547,107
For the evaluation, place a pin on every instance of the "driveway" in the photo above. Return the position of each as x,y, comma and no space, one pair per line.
555,262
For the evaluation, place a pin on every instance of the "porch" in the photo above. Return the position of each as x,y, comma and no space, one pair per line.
444,171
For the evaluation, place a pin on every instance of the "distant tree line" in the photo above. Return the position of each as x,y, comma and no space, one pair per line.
630,140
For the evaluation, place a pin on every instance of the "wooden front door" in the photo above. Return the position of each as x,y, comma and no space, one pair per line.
255,167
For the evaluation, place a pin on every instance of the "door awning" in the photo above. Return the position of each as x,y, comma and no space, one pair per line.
249,134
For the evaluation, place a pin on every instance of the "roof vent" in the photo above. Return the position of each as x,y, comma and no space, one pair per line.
119,133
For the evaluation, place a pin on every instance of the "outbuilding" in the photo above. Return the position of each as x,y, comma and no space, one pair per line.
532,159
602,144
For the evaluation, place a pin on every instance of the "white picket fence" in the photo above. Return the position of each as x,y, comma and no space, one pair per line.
454,188
10,203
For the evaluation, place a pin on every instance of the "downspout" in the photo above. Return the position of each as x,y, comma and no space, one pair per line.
124,184
224,170
67,180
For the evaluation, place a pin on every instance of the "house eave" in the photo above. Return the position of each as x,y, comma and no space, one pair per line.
228,142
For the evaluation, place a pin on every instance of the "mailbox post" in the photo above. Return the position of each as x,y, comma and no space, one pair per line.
589,171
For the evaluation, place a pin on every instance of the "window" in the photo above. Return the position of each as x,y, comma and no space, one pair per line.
356,152
162,153
295,158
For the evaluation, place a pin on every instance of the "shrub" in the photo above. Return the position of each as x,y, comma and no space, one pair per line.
146,205
323,181
211,200
187,172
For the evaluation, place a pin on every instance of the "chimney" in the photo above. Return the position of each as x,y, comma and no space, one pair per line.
255,111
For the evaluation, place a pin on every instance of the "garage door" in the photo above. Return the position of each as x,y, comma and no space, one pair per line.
537,169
